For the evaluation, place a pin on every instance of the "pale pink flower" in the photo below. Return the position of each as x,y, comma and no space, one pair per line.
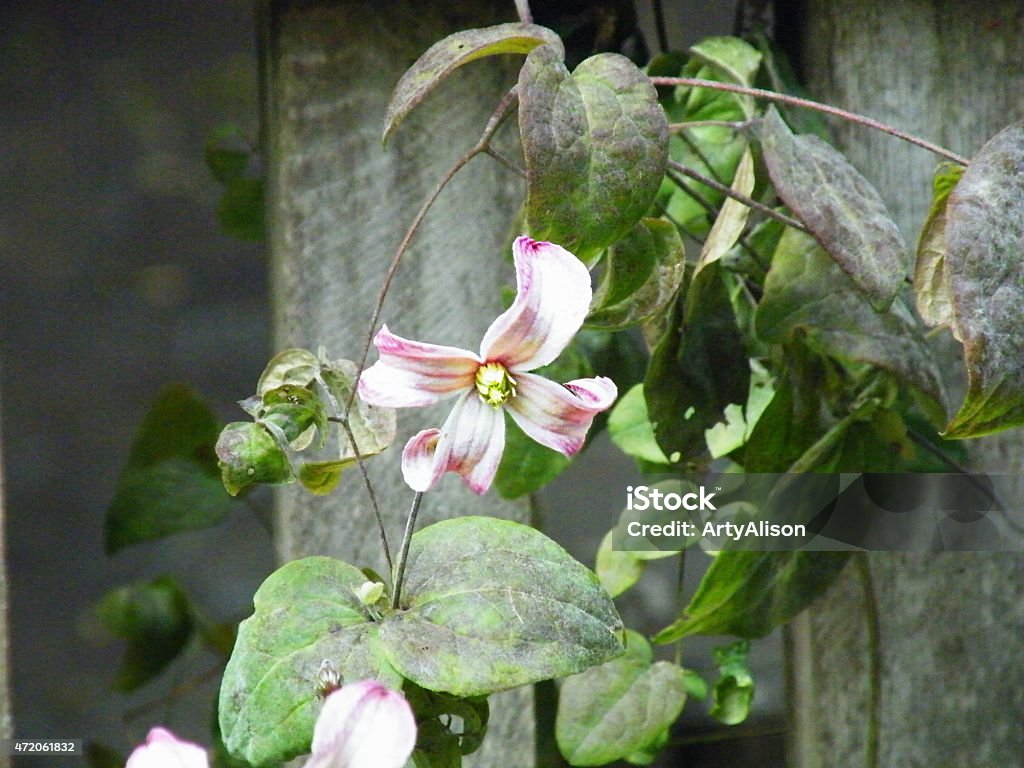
552,301
363,725
165,750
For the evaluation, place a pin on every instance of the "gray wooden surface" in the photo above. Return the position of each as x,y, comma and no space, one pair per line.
952,631
339,205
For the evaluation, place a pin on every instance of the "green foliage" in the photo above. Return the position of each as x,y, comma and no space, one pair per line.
643,272
839,207
620,709
490,605
170,483
487,605
734,690
438,743
748,594
596,144
445,56
240,210
698,368
155,619
985,238
630,428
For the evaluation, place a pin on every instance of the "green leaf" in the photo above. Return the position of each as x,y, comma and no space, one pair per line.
489,605
735,59
732,218
306,612
617,570
806,291
322,477
748,594
630,428
155,619
734,691
437,744
102,756
698,368
297,412
985,238
249,454
931,285
725,437
596,146
372,427
240,211
170,483
618,708
447,55
839,206
643,272
296,367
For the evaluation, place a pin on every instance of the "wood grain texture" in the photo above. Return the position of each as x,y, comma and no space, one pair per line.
338,207
952,631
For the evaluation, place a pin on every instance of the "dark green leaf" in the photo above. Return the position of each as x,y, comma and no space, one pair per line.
619,708
156,621
102,756
596,144
240,211
748,594
985,238
306,612
805,290
840,208
698,368
931,286
170,483
249,454
227,154
437,744
642,275
295,411
489,605
734,691
445,56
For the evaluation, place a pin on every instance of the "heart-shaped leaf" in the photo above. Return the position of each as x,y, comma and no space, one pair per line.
489,605
596,147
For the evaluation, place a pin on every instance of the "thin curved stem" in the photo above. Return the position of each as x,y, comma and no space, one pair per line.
872,753
523,11
730,192
796,101
403,556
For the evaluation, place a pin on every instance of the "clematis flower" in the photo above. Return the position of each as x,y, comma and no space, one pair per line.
165,750
552,300
363,725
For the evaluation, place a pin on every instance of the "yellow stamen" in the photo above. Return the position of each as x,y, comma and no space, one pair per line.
494,385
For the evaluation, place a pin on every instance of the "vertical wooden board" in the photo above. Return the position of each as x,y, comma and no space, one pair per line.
339,204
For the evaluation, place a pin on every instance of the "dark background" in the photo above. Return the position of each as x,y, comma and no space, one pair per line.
116,281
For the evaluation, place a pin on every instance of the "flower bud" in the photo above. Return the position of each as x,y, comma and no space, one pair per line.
165,750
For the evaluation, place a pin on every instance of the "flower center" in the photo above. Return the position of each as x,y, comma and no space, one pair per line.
494,384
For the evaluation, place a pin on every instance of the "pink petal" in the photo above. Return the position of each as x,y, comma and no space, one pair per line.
363,725
470,442
165,750
558,415
552,300
411,373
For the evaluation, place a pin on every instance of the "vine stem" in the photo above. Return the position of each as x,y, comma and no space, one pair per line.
523,11
730,192
403,555
872,753
796,101
495,121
